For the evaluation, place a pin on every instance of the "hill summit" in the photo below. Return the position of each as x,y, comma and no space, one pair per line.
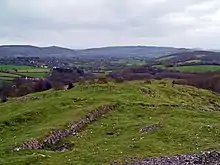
110,123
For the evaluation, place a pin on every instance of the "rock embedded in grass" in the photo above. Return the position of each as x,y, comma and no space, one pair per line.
150,128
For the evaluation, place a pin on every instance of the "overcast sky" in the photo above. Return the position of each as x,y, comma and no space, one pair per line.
97,23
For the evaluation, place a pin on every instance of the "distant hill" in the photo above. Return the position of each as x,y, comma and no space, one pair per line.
214,50
191,57
131,51
120,51
30,51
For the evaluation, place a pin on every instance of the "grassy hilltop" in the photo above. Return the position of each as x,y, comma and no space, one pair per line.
189,120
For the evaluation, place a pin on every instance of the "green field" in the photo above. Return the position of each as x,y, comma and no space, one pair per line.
32,70
165,58
135,63
189,118
191,61
193,68
160,66
34,74
12,67
7,76
16,71
197,68
129,62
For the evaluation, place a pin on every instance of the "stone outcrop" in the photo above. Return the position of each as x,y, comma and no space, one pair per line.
57,135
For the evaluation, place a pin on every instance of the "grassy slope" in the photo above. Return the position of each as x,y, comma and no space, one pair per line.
190,127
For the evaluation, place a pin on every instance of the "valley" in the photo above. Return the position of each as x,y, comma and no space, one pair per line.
109,110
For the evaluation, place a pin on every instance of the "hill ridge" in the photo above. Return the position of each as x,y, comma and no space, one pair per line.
115,51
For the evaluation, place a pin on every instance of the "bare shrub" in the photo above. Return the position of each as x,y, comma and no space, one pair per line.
147,82
102,80
119,80
58,86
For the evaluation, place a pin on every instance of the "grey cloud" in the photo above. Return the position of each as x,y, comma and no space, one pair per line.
94,23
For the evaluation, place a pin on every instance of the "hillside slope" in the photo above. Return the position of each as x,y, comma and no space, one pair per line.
187,119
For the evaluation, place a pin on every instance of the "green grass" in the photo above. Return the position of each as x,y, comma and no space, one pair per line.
197,68
189,123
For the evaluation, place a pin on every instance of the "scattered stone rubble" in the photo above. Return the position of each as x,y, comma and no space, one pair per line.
57,135
146,91
27,98
216,106
150,128
206,158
